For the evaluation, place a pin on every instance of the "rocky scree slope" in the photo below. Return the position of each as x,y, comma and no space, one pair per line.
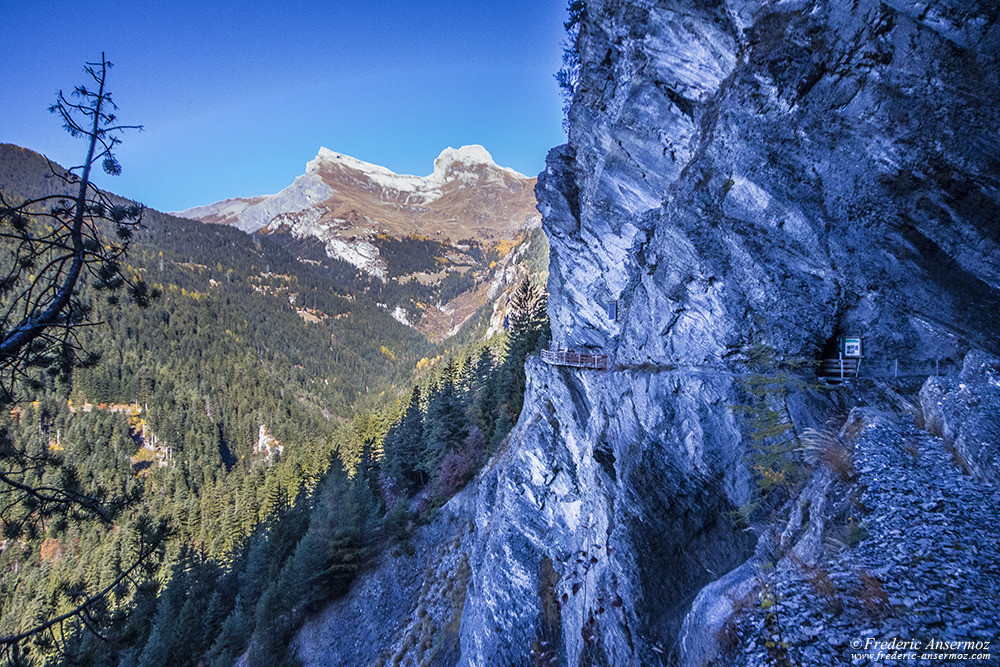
924,567
737,171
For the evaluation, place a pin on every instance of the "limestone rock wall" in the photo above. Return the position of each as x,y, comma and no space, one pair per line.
826,167
965,412
612,501
780,171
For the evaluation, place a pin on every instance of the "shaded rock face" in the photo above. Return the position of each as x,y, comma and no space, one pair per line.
619,485
965,412
827,167
788,172
404,611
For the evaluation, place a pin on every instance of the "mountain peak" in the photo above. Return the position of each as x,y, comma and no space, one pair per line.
326,156
446,161
467,195
469,155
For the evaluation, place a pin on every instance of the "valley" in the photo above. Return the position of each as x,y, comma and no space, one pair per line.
719,387
254,398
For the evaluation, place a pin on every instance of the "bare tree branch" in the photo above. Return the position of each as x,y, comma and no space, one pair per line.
64,241
51,248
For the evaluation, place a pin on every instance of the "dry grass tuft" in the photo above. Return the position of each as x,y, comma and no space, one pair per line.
872,596
852,430
959,460
822,447
728,634
825,588
821,583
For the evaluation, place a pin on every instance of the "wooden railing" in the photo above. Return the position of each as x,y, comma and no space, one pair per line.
575,359
840,369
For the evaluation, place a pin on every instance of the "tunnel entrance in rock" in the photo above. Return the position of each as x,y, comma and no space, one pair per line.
840,359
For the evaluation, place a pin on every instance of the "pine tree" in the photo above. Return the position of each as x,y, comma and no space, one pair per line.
193,634
234,635
528,331
164,638
527,319
482,392
350,545
444,424
773,433
404,448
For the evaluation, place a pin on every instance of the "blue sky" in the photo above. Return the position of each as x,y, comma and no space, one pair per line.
236,97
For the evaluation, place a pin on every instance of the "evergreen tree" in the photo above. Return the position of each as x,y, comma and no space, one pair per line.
164,638
444,423
233,636
528,331
404,447
351,541
482,392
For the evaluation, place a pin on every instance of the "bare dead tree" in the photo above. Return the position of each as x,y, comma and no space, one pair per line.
53,243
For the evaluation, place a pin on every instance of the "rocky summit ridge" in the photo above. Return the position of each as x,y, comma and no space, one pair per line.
344,201
740,176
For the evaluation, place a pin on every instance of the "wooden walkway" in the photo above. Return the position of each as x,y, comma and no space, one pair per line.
575,359
830,370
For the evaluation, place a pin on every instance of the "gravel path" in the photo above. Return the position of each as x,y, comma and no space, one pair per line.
928,569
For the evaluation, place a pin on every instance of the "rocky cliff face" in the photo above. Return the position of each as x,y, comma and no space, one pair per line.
783,171
737,171
824,166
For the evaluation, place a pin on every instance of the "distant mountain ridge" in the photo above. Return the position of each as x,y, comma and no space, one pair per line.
446,239
344,202
242,305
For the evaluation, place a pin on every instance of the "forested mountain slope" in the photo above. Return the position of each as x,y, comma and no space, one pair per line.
255,409
226,279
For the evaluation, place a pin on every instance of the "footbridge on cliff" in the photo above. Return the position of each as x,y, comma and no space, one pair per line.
575,359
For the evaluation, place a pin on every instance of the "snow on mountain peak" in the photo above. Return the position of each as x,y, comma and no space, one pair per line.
375,173
331,172
469,155
474,154
325,155
449,157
